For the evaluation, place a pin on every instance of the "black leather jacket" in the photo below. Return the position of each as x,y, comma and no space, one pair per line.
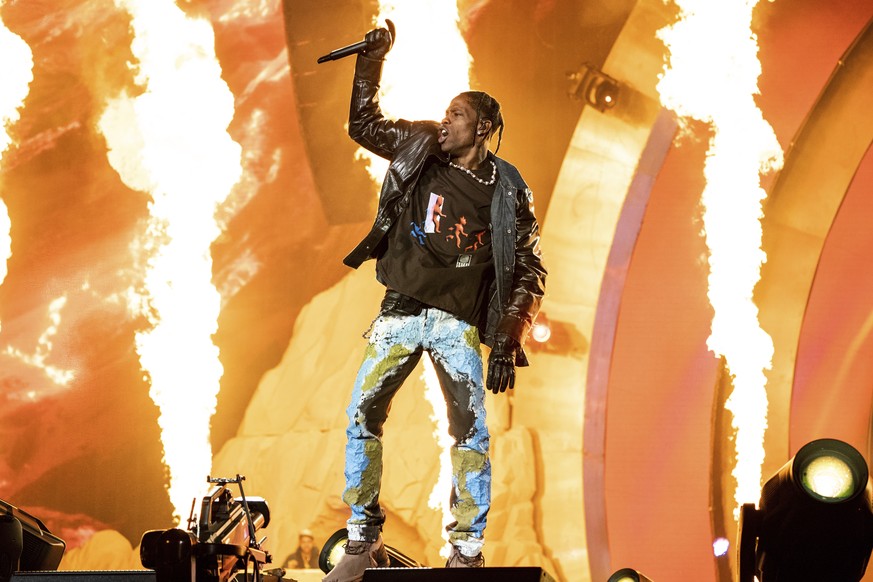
520,274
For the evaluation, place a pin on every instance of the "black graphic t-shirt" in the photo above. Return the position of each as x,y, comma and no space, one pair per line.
439,250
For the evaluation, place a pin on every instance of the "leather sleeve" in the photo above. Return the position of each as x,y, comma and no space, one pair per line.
367,125
529,274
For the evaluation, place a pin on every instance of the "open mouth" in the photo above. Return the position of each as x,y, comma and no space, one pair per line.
443,134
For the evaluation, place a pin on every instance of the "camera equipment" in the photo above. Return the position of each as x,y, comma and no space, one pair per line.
216,546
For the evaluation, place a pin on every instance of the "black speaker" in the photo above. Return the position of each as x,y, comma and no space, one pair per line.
86,576
40,549
521,574
11,544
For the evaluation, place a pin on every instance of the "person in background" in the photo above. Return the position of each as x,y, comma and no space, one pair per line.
306,554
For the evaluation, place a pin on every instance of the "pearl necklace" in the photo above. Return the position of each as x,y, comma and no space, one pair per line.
474,176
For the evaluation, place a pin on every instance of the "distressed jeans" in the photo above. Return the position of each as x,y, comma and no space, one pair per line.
396,343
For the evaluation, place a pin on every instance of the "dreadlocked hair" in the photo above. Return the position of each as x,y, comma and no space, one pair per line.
487,107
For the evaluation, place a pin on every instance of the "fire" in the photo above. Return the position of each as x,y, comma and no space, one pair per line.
171,141
5,240
16,70
712,76
418,82
440,492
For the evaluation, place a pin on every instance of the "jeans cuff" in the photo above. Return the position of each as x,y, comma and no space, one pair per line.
470,547
363,533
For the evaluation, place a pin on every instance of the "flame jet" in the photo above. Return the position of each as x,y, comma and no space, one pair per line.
418,82
16,70
712,76
170,140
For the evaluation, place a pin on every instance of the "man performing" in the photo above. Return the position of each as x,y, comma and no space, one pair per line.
445,293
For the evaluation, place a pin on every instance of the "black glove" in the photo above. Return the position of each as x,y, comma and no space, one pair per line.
379,41
501,364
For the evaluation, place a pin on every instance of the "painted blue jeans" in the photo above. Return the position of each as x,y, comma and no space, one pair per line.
396,343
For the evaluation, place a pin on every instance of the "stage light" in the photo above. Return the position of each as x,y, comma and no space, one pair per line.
720,547
334,549
594,87
814,520
541,331
628,575
216,546
828,478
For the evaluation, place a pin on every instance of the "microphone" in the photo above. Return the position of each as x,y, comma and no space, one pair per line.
346,51
353,49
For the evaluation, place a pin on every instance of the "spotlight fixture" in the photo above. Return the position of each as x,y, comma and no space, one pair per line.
814,520
594,87
628,575
217,545
720,547
541,331
334,549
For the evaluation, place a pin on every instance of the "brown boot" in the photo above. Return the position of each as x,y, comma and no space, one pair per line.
358,557
459,560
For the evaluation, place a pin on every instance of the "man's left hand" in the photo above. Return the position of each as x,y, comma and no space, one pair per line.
501,364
